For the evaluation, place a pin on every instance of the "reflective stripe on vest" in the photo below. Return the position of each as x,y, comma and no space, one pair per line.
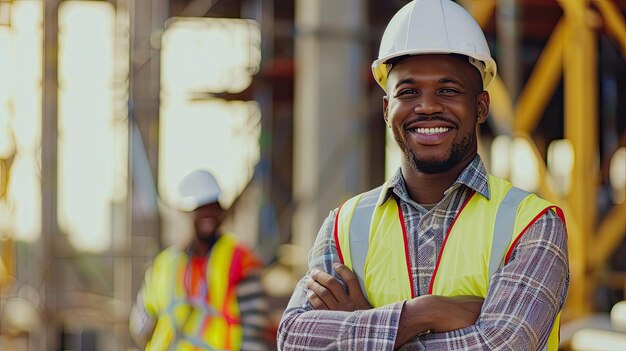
385,231
359,233
464,267
503,229
211,326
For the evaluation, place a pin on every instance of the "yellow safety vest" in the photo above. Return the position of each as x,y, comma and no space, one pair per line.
371,240
213,325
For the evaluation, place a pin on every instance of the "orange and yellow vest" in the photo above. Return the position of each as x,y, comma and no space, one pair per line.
371,239
201,325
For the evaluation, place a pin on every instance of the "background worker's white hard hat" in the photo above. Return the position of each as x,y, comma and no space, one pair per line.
434,27
197,189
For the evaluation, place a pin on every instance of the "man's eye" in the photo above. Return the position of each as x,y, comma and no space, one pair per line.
448,91
406,92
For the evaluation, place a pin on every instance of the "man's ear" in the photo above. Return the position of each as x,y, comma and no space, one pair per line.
482,106
385,106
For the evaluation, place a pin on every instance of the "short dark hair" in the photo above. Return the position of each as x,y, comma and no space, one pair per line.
394,60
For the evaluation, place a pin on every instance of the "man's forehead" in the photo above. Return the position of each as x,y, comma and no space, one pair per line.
457,66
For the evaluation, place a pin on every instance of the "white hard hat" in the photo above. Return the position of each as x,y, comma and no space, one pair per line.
434,27
197,189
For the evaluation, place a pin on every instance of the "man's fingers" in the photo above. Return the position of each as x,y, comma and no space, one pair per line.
329,282
349,277
322,293
315,301
356,297
328,290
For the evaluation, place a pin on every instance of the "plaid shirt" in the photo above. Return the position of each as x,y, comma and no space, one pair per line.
523,299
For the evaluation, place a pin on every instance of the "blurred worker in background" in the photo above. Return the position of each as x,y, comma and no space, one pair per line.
207,296
442,256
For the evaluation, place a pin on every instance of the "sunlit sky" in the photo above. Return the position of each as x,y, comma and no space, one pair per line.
21,111
87,165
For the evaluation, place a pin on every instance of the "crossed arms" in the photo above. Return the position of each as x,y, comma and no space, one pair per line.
424,314
518,312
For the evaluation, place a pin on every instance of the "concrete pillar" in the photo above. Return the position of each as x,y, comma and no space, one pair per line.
47,338
146,21
330,110
507,33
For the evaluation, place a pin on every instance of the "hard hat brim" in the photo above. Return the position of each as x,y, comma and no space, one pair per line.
380,67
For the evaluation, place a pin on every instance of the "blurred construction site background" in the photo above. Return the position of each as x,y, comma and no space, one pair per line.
105,105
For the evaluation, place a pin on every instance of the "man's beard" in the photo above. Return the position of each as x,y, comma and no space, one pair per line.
207,238
457,153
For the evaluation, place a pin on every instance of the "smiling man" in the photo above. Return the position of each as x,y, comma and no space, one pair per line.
433,105
442,256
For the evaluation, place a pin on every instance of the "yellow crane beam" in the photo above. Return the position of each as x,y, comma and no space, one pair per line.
542,83
482,11
570,54
6,262
581,128
614,22
610,233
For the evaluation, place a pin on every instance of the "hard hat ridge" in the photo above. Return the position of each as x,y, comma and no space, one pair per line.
434,27
197,189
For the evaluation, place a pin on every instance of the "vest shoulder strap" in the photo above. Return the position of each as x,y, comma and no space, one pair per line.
360,233
505,226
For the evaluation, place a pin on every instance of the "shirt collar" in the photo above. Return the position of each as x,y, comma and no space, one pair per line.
474,176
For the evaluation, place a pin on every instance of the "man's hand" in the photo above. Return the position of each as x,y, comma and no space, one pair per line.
326,293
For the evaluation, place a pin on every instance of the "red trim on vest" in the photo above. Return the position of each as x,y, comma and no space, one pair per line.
243,262
406,251
445,240
195,274
240,265
236,267
559,213
336,235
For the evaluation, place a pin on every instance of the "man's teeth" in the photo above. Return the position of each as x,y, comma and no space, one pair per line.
431,130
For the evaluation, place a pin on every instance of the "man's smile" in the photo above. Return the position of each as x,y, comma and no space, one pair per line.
430,136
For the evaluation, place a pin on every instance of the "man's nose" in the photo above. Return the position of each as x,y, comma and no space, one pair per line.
428,104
